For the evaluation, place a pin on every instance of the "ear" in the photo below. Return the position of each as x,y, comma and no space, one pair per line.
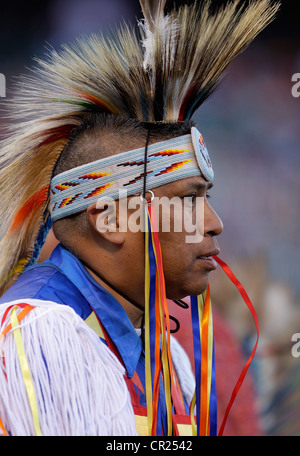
103,220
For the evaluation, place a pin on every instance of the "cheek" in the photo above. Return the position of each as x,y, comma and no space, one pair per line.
177,255
184,276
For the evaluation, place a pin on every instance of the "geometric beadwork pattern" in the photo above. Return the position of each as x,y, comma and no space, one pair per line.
74,190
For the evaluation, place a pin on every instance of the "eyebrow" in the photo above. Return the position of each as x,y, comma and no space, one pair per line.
191,186
199,185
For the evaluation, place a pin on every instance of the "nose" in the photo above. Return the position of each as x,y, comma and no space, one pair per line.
213,225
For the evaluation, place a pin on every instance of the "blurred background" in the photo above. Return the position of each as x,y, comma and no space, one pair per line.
251,127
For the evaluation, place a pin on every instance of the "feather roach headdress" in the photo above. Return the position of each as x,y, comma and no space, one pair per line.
162,72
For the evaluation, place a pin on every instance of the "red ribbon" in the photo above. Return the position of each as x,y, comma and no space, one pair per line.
249,304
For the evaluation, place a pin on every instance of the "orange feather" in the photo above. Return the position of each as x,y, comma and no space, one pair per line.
31,206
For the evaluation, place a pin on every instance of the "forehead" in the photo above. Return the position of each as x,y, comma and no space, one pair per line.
182,186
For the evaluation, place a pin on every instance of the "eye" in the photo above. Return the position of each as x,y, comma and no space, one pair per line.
190,199
208,195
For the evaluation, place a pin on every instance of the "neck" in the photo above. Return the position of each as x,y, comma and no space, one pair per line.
134,311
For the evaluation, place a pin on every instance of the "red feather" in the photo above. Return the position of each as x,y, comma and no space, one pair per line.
56,134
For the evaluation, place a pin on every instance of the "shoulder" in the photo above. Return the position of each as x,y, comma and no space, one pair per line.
46,282
78,384
29,283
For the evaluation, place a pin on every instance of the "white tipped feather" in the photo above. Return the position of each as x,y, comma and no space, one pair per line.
153,11
167,29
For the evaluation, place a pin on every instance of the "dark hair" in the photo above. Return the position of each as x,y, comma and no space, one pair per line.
101,135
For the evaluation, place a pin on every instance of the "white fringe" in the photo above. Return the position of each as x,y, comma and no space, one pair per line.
80,392
183,370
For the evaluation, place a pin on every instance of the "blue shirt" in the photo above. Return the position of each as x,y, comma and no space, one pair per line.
64,280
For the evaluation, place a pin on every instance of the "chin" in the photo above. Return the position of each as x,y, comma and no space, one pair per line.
192,289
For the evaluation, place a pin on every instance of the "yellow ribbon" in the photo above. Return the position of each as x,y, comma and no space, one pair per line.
25,371
147,335
209,367
192,416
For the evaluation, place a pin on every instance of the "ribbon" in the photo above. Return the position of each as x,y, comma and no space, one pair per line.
158,362
2,428
26,309
25,371
245,297
149,284
14,325
205,393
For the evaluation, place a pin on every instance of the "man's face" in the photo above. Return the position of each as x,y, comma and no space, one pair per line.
187,260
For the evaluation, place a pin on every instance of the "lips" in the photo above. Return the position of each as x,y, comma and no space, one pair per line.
208,259
210,253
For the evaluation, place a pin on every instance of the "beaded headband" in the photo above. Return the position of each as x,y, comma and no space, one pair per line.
74,190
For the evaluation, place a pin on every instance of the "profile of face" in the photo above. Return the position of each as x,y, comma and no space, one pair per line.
187,264
187,256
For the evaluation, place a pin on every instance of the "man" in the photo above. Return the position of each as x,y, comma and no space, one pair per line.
112,124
